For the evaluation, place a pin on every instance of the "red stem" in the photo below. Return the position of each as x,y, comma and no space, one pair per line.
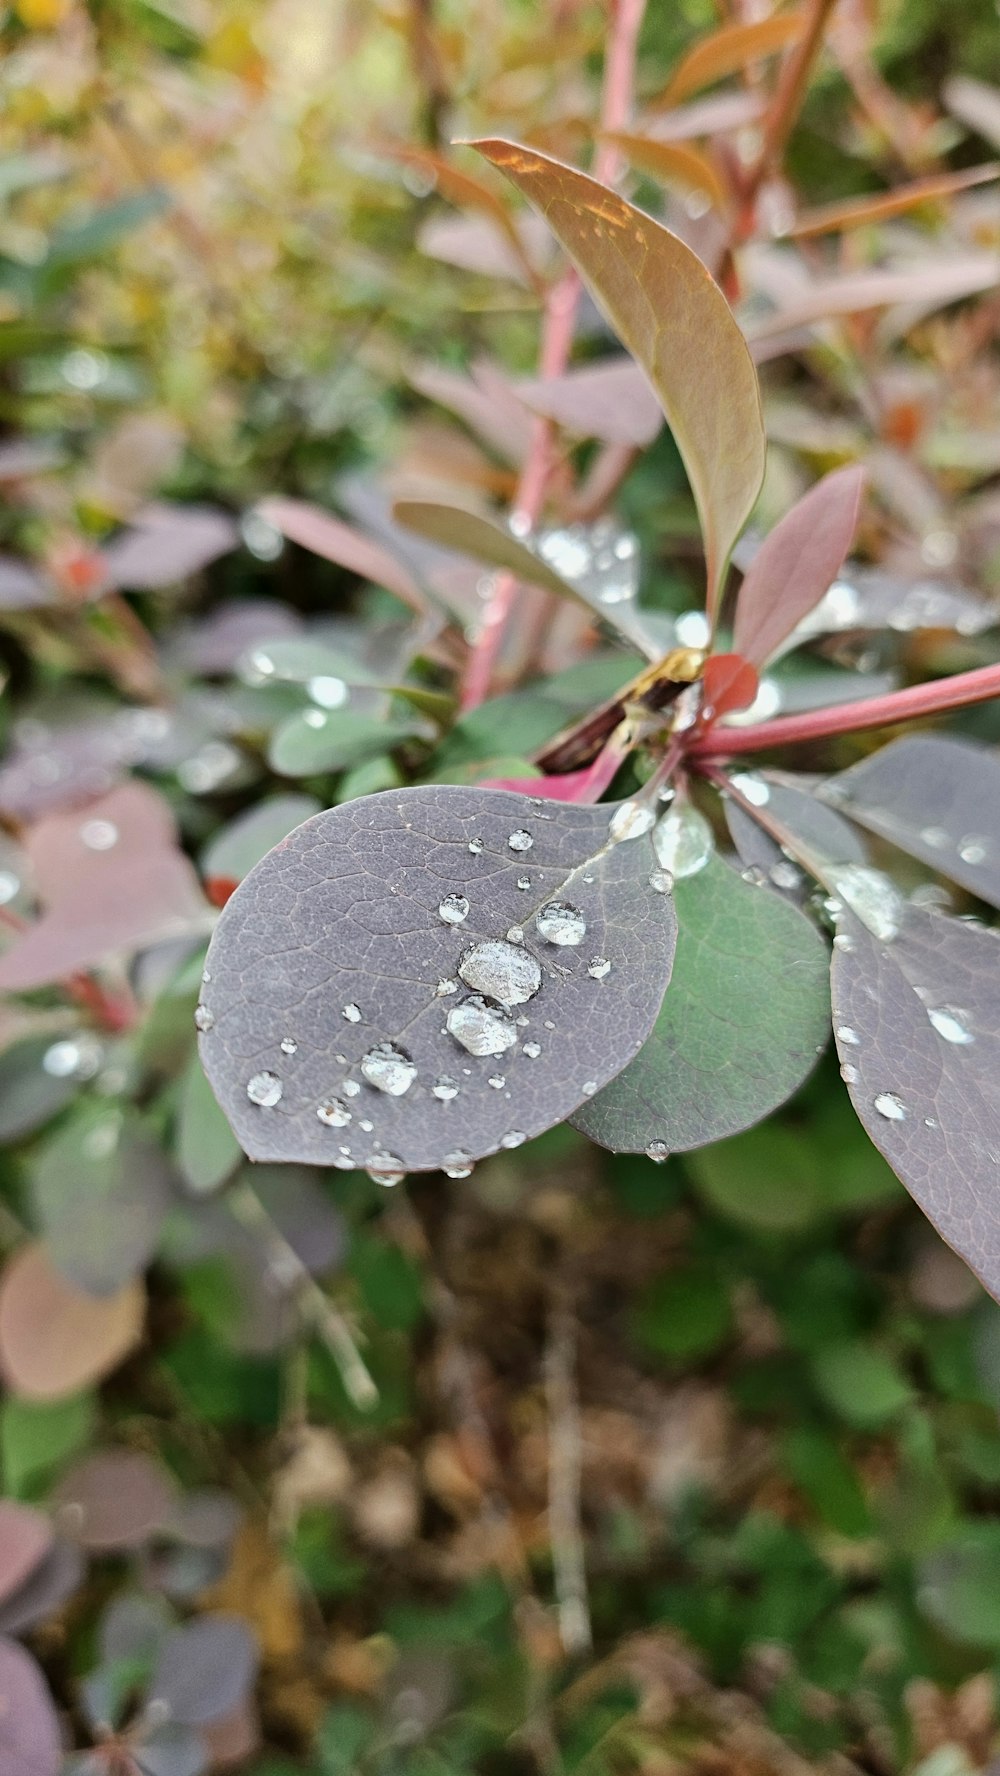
558,326
957,692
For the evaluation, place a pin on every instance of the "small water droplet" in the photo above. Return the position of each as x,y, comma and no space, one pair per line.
363,1123
521,840
9,886
598,967
754,876
752,788
931,1122
501,971
843,942
524,883
514,1139
948,1023
515,934
630,821
847,1035
315,718
445,1088
350,1088
785,874
387,1170
683,841
849,1074
590,1086
973,850
658,1151
77,1057
333,1113
476,847
872,897
343,1162
935,837
457,1164
265,1089
352,1013
562,924
661,881
204,1019
891,1106
444,987
99,835
453,909
389,1069
328,692
531,1049
497,1081
288,1045
481,1028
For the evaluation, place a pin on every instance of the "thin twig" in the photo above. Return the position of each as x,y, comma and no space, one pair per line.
787,101
565,1470
316,1307
558,325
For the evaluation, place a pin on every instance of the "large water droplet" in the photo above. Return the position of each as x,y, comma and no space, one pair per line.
389,1069
752,788
948,1023
502,971
387,1169
657,1151
598,967
204,1019
352,1013
891,1106
265,1089
333,1113
847,1035
329,693
630,821
874,899
973,850
785,874
521,840
457,1164
445,1088
683,841
453,909
481,1028
560,923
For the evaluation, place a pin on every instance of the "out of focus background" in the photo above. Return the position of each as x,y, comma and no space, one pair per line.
581,1464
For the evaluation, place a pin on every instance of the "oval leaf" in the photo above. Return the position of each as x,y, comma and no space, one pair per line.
796,564
937,798
54,1340
738,1031
30,1741
330,537
101,1188
673,163
205,1669
675,321
610,400
114,1498
918,1032
728,51
45,1591
472,534
366,928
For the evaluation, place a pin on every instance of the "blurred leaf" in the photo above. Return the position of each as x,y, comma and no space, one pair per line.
55,1340
205,1669
959,1588
673,163
37,1438
114,1498
100,1189
25,1539
684,1316
730,50
319,740
676,323
767,1178
236,846
828,1479
30,1737
207,1151
860,1384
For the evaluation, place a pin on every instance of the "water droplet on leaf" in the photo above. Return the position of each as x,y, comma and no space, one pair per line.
481,1028
948,1023
531,1049
445,1088
891,1106
752,788
658,1151
521,840
683,841
453,909
514,1139
630,821
560,923
334,1114
288,1045
389,1069
264,1089
872,897
598,967
501,971
204,1019
352,1013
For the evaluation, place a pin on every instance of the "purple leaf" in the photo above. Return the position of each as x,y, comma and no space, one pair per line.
30,1740
812,826
166,544
25,1539
205,1669
114,1498
427,953
611,400
172,1751
746,1011
796,564
45,1591
22,587
937,798
132,1627
336,541
917,1027
100,1189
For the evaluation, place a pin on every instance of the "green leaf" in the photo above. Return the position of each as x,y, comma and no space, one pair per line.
766,1178
207,1151
746,1010
860,1384
472,534
671,315
317,740
37,1437
684,1315
827,1478
960,1586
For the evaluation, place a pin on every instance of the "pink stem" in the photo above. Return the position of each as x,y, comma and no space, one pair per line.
957,692
558,326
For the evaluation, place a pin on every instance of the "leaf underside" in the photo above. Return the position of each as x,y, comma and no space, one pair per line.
739,1029
345,913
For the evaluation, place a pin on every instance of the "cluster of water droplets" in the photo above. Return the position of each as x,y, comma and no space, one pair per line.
601,560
